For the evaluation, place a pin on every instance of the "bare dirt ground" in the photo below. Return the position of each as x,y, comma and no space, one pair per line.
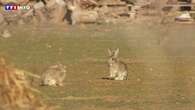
160,58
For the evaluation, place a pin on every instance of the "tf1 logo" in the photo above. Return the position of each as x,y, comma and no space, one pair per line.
15,7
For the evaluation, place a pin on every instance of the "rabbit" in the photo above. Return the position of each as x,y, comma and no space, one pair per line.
54,75
117,69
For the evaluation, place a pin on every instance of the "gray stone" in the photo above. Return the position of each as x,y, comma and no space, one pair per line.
6,34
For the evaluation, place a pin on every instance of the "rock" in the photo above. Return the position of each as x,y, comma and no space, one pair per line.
184,17
39,5
79,15
6,34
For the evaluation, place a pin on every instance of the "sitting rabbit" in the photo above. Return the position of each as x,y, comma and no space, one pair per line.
117,69
54,75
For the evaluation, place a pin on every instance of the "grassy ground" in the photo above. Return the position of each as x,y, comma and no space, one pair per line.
160,60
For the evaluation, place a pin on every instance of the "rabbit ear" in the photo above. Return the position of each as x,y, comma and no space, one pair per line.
109,51
116,52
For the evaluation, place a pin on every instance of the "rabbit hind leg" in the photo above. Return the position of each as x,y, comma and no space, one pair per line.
121,77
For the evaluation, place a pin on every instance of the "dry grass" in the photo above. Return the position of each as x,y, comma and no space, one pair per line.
16,93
